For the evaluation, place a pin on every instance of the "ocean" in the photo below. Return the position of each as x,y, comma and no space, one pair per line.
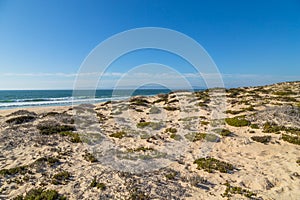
10,99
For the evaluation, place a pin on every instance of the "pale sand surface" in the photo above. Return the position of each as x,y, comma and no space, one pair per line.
269,170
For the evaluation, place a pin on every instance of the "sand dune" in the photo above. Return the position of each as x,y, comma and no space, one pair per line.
239,144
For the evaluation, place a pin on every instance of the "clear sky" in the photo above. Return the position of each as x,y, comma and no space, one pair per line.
43,43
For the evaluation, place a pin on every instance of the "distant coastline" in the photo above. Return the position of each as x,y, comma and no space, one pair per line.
10,99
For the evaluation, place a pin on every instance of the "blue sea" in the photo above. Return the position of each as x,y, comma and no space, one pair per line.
10,99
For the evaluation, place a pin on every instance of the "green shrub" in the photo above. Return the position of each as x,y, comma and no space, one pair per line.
284,93
269,127
171,130
153,125
237,121
171,108
41,194
262,139
100,186
20,120
171,175
202,104
254,126
237,190
234,112
90,157
143,124
51,161
119,134
136,194
14,171
74,137
160,100
175,136
222,131
49,128
212,164
204,123
291,139
298,162
60,178
139,101
193,137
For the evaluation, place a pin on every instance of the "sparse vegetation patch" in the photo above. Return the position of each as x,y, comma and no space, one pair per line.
237,121
291,139
48,128
20,120
171,108
74,137
212,164
100,186
194,137
90,157
262,139
41,194
222,131
153,125
175,136
119,134
60,178
171,130
237,190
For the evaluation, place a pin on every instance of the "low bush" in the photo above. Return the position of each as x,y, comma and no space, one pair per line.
194,137
139,101
237,121
171,130
237,190
173,101
143,124
48,128
291,139
60,178
136,194
269,127
234,112
51,161
100,186
41,194
171,175
284,93
14,171
175,136
222,131
204,123
20,120
153,125
119,134
254,126
74,137
90,157
212,164
262,139
171,108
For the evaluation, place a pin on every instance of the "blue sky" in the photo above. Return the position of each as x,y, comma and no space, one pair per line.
43,43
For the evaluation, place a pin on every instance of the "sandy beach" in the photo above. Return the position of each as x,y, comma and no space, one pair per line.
168,146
